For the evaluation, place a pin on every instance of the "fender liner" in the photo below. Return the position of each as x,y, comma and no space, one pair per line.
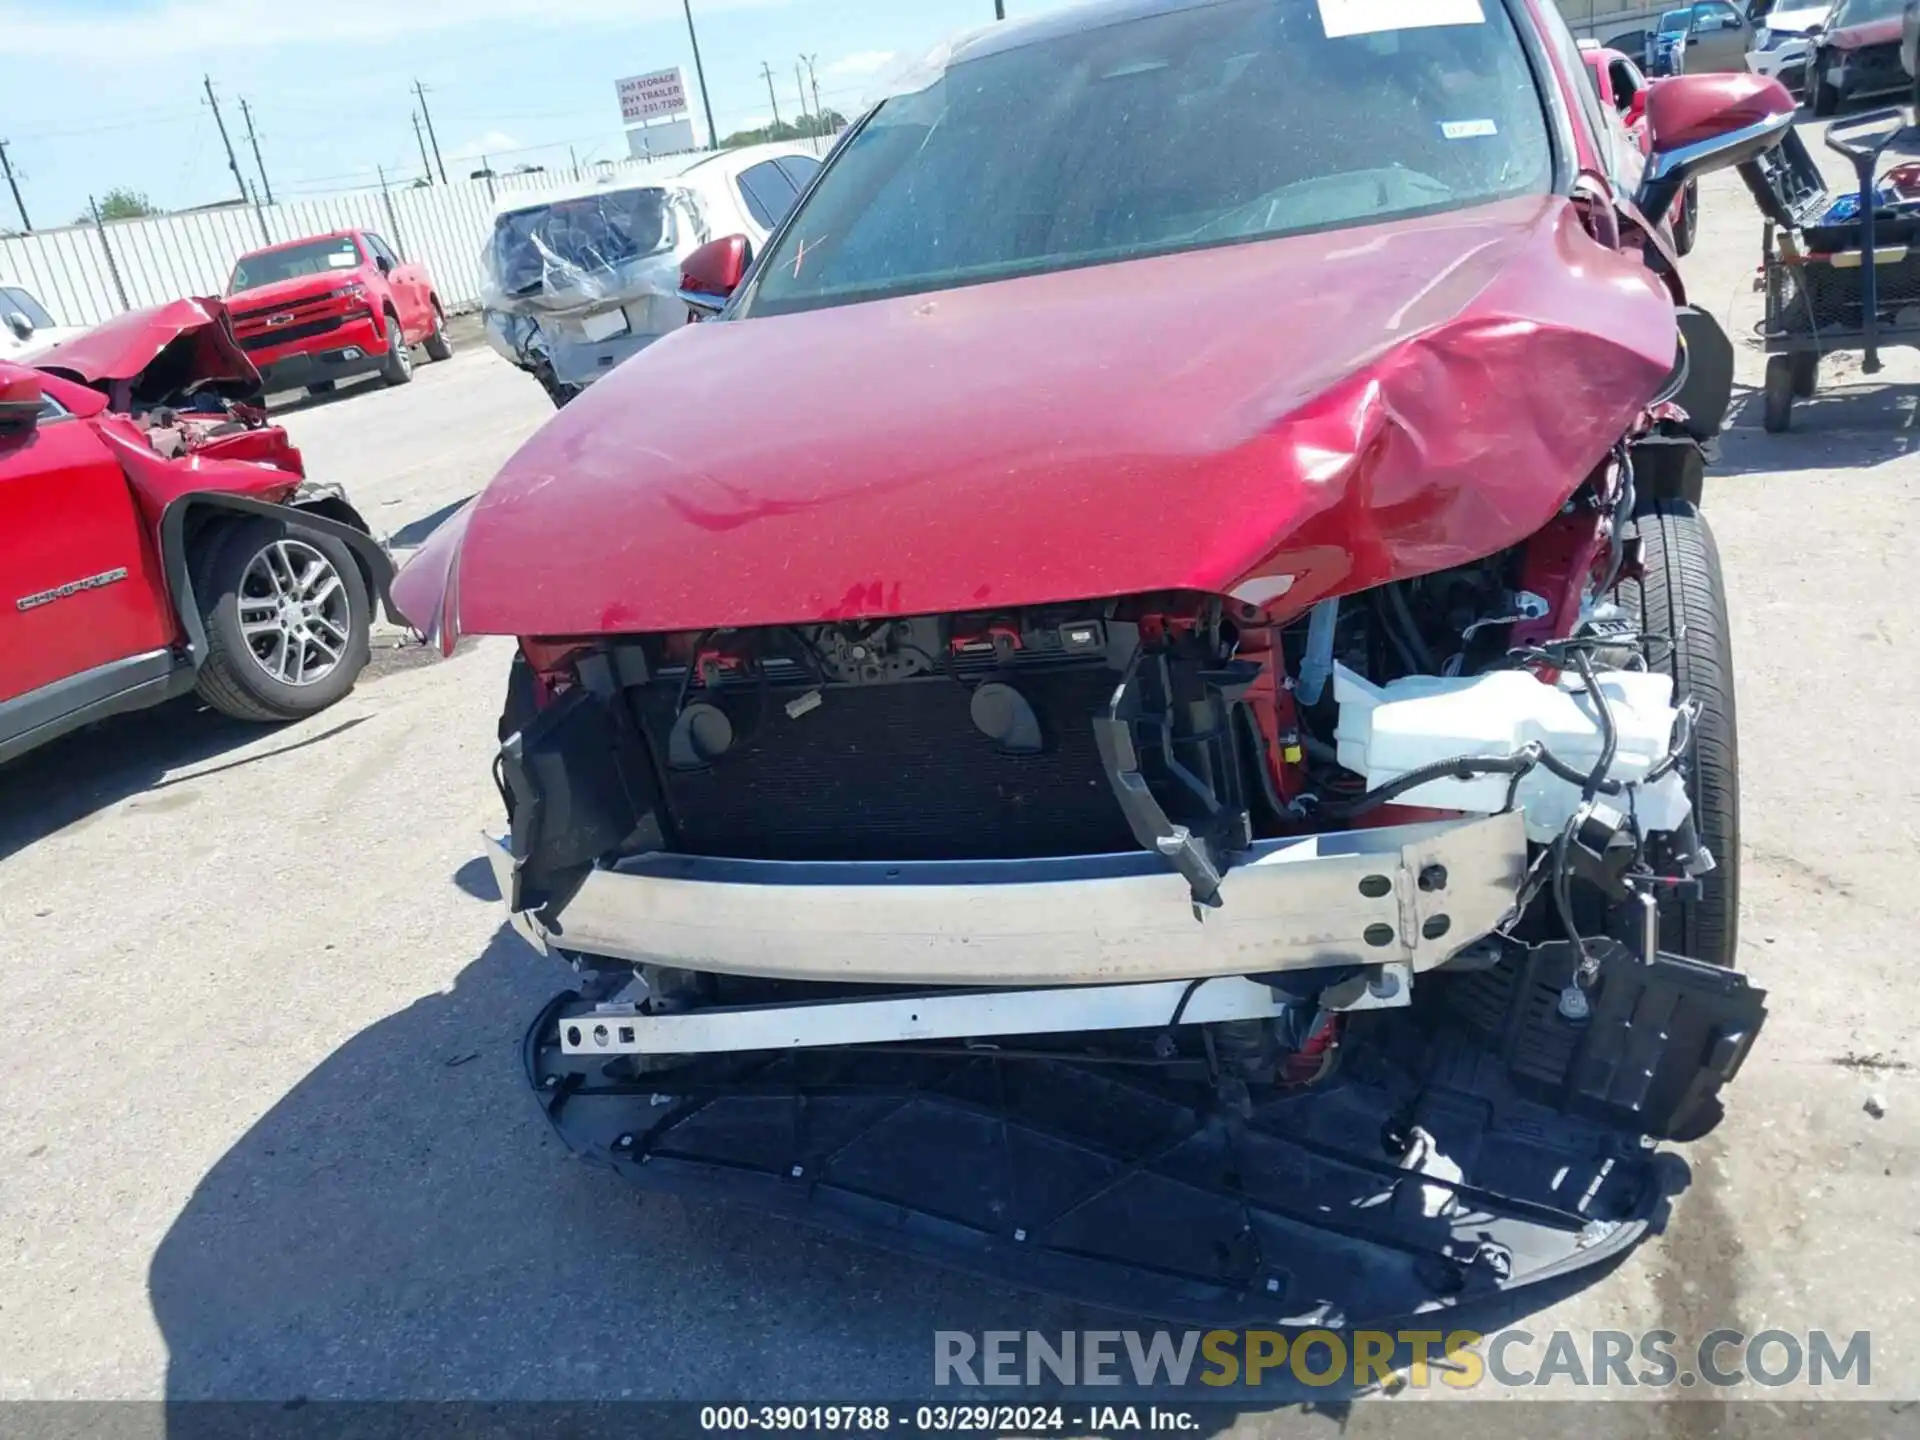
374,562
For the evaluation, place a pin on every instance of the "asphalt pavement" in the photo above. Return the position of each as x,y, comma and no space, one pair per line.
263,1132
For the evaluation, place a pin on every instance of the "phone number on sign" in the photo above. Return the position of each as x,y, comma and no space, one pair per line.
931,1419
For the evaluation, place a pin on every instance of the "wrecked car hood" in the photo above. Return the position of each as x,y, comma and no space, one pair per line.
1278,421
195,336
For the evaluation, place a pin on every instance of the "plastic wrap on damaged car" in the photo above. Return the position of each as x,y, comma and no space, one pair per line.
555,268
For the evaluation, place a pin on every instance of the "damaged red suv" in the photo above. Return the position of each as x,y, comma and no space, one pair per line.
157,536
1181,750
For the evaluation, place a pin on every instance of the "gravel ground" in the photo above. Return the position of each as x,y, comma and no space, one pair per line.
263,1134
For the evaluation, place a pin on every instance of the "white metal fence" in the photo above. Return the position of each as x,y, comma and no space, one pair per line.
86,273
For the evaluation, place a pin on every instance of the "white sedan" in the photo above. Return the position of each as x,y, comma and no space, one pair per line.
582,277
1783,48
25,325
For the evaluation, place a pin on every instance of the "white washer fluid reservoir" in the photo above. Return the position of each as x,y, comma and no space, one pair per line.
1387,731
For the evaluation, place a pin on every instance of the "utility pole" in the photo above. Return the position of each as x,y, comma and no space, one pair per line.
233,161
14,185
767,70
700,72
819,115
427,115
999,9
800,84
254,140
426,165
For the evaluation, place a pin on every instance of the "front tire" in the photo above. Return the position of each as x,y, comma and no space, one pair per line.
1827,97
287,620
397,368
438,346
1682,595
1806,374
1777,397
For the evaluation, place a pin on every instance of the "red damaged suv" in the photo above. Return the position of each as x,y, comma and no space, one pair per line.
157,535
333,307
1182,749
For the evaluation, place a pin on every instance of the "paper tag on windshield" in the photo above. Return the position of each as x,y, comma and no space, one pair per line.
1468,129
343,260
1372,17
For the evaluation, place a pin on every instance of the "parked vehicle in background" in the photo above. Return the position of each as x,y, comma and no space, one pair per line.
25,324
1707,36
1153,672
1910,45
157,535
580,278
328,308
1783,46
1857,53
1623,92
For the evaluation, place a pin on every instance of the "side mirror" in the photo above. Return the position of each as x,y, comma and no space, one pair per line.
19,401
383,264
1814,32
710,275
19,324
1697,124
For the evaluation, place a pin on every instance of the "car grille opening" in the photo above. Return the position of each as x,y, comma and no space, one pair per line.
893,772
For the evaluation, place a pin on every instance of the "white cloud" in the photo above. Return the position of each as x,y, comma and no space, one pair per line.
862,62
494,142
189,27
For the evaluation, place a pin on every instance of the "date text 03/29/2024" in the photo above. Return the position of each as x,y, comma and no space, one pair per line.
962,1419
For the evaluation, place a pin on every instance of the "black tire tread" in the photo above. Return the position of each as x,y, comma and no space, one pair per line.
217,681
393,369
437,346
1682,594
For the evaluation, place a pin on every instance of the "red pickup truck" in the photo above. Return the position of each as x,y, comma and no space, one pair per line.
332,307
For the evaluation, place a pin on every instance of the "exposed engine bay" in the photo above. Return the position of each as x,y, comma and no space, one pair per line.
1412,849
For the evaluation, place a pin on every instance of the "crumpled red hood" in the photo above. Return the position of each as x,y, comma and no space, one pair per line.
123,348
1278,421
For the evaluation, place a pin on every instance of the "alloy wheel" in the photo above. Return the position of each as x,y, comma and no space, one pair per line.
294,613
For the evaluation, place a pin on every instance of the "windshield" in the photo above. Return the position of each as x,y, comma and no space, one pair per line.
310,257
577,238
1676,22
1204,125
1862,12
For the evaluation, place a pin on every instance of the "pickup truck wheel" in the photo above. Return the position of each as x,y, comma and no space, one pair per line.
438,346
1827,97
397,368
287,621
1682,596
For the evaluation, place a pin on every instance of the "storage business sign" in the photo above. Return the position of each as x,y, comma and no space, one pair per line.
652,97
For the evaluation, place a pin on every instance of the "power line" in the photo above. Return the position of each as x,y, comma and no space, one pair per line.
254,140
14,185
233,161
421,91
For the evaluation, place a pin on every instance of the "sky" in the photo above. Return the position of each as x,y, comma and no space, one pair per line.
105,94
